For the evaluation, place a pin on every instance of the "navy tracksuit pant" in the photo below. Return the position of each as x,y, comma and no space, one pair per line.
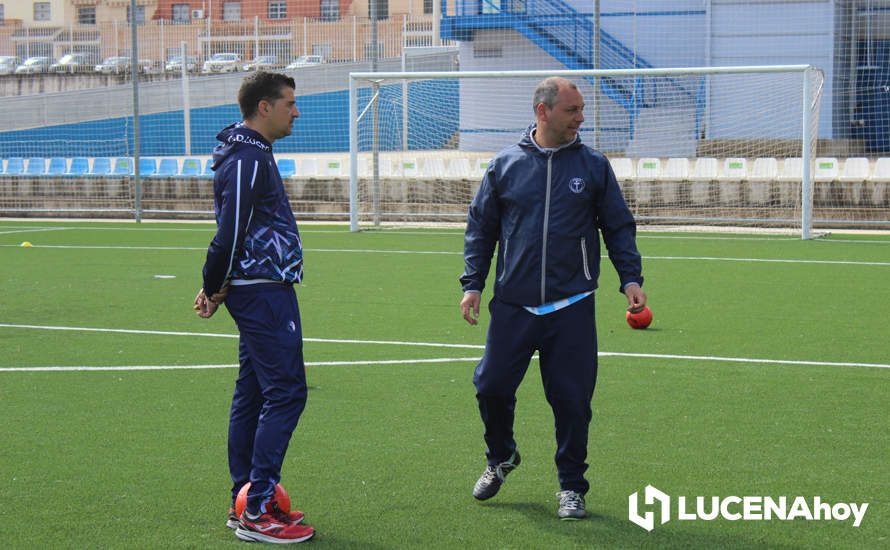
566,342
270,392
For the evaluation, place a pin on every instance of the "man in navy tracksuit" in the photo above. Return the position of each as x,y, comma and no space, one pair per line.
252,264
543,203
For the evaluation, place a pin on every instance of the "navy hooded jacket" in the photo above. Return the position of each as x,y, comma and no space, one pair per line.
544,211
256,236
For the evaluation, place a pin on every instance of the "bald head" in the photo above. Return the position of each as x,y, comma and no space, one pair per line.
559,112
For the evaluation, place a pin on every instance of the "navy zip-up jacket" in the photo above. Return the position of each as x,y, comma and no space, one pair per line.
257,235
544,210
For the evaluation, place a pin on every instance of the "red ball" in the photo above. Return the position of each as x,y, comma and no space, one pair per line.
281,497
639,320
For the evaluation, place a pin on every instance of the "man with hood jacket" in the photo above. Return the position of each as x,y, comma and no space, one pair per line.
252,263
543,202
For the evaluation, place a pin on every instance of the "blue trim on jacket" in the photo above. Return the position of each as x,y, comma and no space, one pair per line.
257,235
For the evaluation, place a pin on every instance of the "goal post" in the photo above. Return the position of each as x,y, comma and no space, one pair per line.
699,146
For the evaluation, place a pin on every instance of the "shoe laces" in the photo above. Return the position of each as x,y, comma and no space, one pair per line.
570,500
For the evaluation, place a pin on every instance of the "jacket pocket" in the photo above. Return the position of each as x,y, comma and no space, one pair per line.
506,249
584,258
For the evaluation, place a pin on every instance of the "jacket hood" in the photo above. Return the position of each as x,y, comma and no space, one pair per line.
235,135
528,142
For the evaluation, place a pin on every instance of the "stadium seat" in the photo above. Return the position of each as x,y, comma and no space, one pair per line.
287,167
57,166
208,168
676,169
881,172
855,169
168,168
433,168
123,166
36,166
191,168
80,166
15,166
101,166
648,169
308,168
479,167
148,167
458,168
704,173
734,169
334,168
408,167
826,169
879,182
623,168
764,172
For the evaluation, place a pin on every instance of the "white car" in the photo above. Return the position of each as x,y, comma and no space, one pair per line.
8,63
263,63
174,64
32,65
306,61
114,65
222,63
71,63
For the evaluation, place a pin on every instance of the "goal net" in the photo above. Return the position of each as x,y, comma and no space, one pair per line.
717,146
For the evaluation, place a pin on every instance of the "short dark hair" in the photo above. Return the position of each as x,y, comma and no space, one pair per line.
260,86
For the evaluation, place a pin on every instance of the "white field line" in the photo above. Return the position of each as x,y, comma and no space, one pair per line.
234,366
32,230
449,253
702,358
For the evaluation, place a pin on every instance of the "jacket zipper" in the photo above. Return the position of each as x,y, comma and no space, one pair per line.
584,257
506,248
546,223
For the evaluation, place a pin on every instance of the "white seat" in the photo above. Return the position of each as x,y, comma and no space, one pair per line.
704,172
792,170
433,168
764,171
334,168
458,168
881,172
623,168
478,167
734,169
855,169
648,169
826,169
308,168
676,169
790,178
408,167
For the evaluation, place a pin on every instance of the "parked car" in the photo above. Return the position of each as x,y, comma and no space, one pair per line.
8,63
37,64
71,63
114,65
263,63
150,66
222,63
305,61
174,64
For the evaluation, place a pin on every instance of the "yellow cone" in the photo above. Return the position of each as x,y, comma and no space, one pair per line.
27,244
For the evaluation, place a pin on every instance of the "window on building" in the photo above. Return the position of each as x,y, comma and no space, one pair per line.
140,15
232,11
427,6
330,10
382,8
86,15
182,13
277,9
42,11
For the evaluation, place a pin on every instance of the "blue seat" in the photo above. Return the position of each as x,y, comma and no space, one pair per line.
208,171
123,166
191,168
168,168
57,166
80,166
15,166
148,167
36,166
287,167
101,166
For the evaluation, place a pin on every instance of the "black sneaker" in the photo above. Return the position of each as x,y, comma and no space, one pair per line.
494,476
571,505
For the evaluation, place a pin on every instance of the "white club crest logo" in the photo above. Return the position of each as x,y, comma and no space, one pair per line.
576,185
647,520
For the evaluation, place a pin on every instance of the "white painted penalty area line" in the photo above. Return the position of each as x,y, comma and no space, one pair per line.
703,358
233,366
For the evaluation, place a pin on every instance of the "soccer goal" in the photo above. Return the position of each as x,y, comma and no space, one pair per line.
710,146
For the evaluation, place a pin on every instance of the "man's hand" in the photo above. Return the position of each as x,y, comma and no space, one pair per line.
636,298
205,307
469,307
